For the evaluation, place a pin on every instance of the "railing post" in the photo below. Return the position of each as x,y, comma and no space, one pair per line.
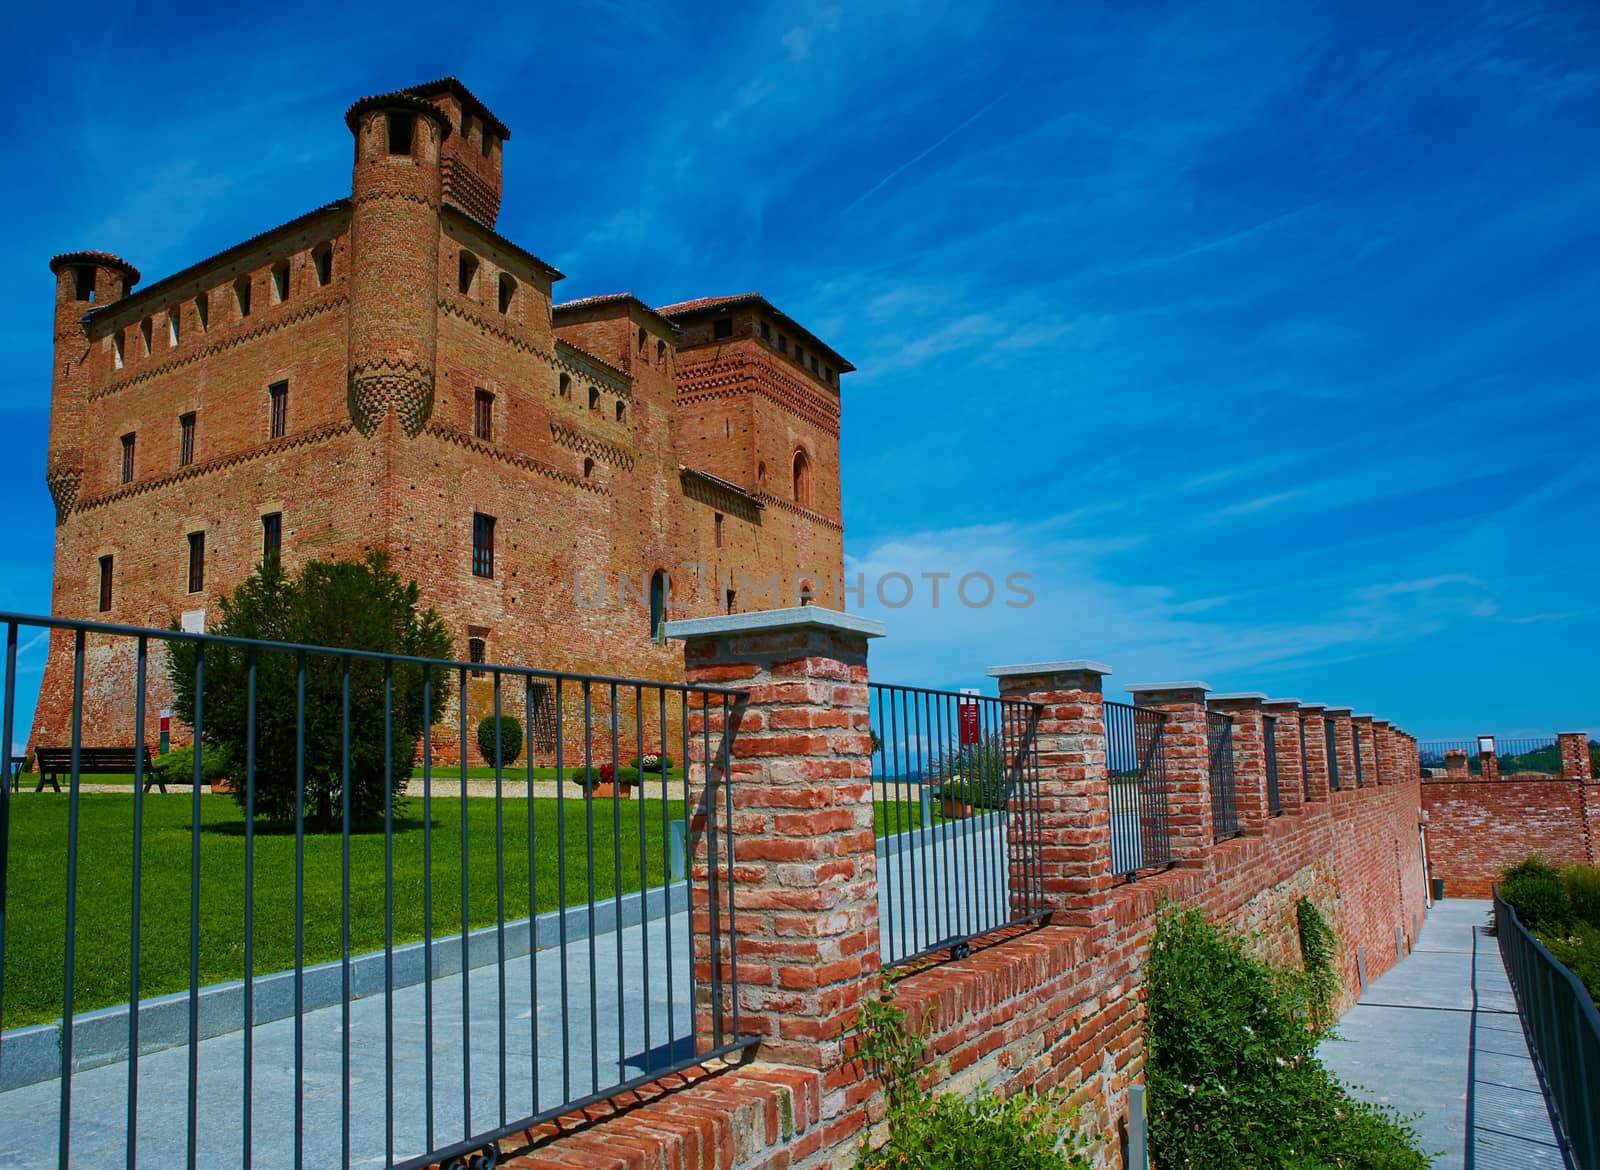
1343,745
1488,762
1313,723
1074,802
1575,761
1366,749
803,875
1249,757
1188,764
1383,746
1291,768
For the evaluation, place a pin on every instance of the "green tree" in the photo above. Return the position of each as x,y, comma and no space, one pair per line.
360,605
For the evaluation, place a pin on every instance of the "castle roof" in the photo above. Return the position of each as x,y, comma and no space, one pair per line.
103,258
622,298
404,99
468,99
700,305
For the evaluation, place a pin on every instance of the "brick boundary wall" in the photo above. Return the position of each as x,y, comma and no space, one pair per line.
1477,826
1060,1005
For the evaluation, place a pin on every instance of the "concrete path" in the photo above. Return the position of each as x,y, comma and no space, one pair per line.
1438,1034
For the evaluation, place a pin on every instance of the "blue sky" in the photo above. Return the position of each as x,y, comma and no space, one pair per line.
1263,336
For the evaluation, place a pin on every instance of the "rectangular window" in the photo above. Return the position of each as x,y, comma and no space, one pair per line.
127,457
783,344
483,414
197,561
186,439
482,545
271,535
279,393
477,652
716,527
766,331
722,327
174,327
105,584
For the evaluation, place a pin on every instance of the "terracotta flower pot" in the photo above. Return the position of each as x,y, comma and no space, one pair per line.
621,791
222,786
954,809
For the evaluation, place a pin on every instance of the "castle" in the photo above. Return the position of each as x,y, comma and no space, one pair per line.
388,372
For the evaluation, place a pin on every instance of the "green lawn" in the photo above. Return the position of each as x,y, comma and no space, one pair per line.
35,921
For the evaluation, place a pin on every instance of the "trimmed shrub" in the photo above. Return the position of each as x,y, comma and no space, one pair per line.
651,762
1232,1069
1536,892
510,739
215,764
1583,892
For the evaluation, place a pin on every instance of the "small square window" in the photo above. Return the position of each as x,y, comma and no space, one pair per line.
271,535
197,562
722,327
278,393
482,545
482,415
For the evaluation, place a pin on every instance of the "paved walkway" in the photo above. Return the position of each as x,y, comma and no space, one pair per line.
1438,1034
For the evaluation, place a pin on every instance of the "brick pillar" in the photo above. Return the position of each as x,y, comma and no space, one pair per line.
1249,757
1488,762
1312,722
1291,768
1188,765
1455,764
1074,803
804,876
1366,751
1411,763
1344,746
1384,745
1576,763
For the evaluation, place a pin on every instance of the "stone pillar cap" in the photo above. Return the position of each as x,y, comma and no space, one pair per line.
1240,697
799,617
1338,710
1313,706
1284,702
1031,668
1141,688
1368,718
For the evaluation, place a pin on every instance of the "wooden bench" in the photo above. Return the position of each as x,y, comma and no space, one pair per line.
120,761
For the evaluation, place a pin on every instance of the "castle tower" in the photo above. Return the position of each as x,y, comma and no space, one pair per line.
394,246
84,281
470,158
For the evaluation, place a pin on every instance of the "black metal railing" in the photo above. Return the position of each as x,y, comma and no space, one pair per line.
1269,744
359,957
1136,776
1536,755
1562,1022
1331,741
957,805
1224,797
1355,743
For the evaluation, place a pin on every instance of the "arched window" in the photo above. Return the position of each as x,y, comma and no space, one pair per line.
622,411
588,468
466,272
401,129
643,337
659,591
508,291
761,473
802,479
566,385
594,398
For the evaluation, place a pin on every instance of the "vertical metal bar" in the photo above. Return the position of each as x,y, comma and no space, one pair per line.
713,899
194,907
248,1118
64,1137
666,866
588,829
466,957
939,727
500,892
902,754
344,912
6,718
529,741
388,910
427,903
727,800
688,860
140,675
644,885
616,892
561,896
299,908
